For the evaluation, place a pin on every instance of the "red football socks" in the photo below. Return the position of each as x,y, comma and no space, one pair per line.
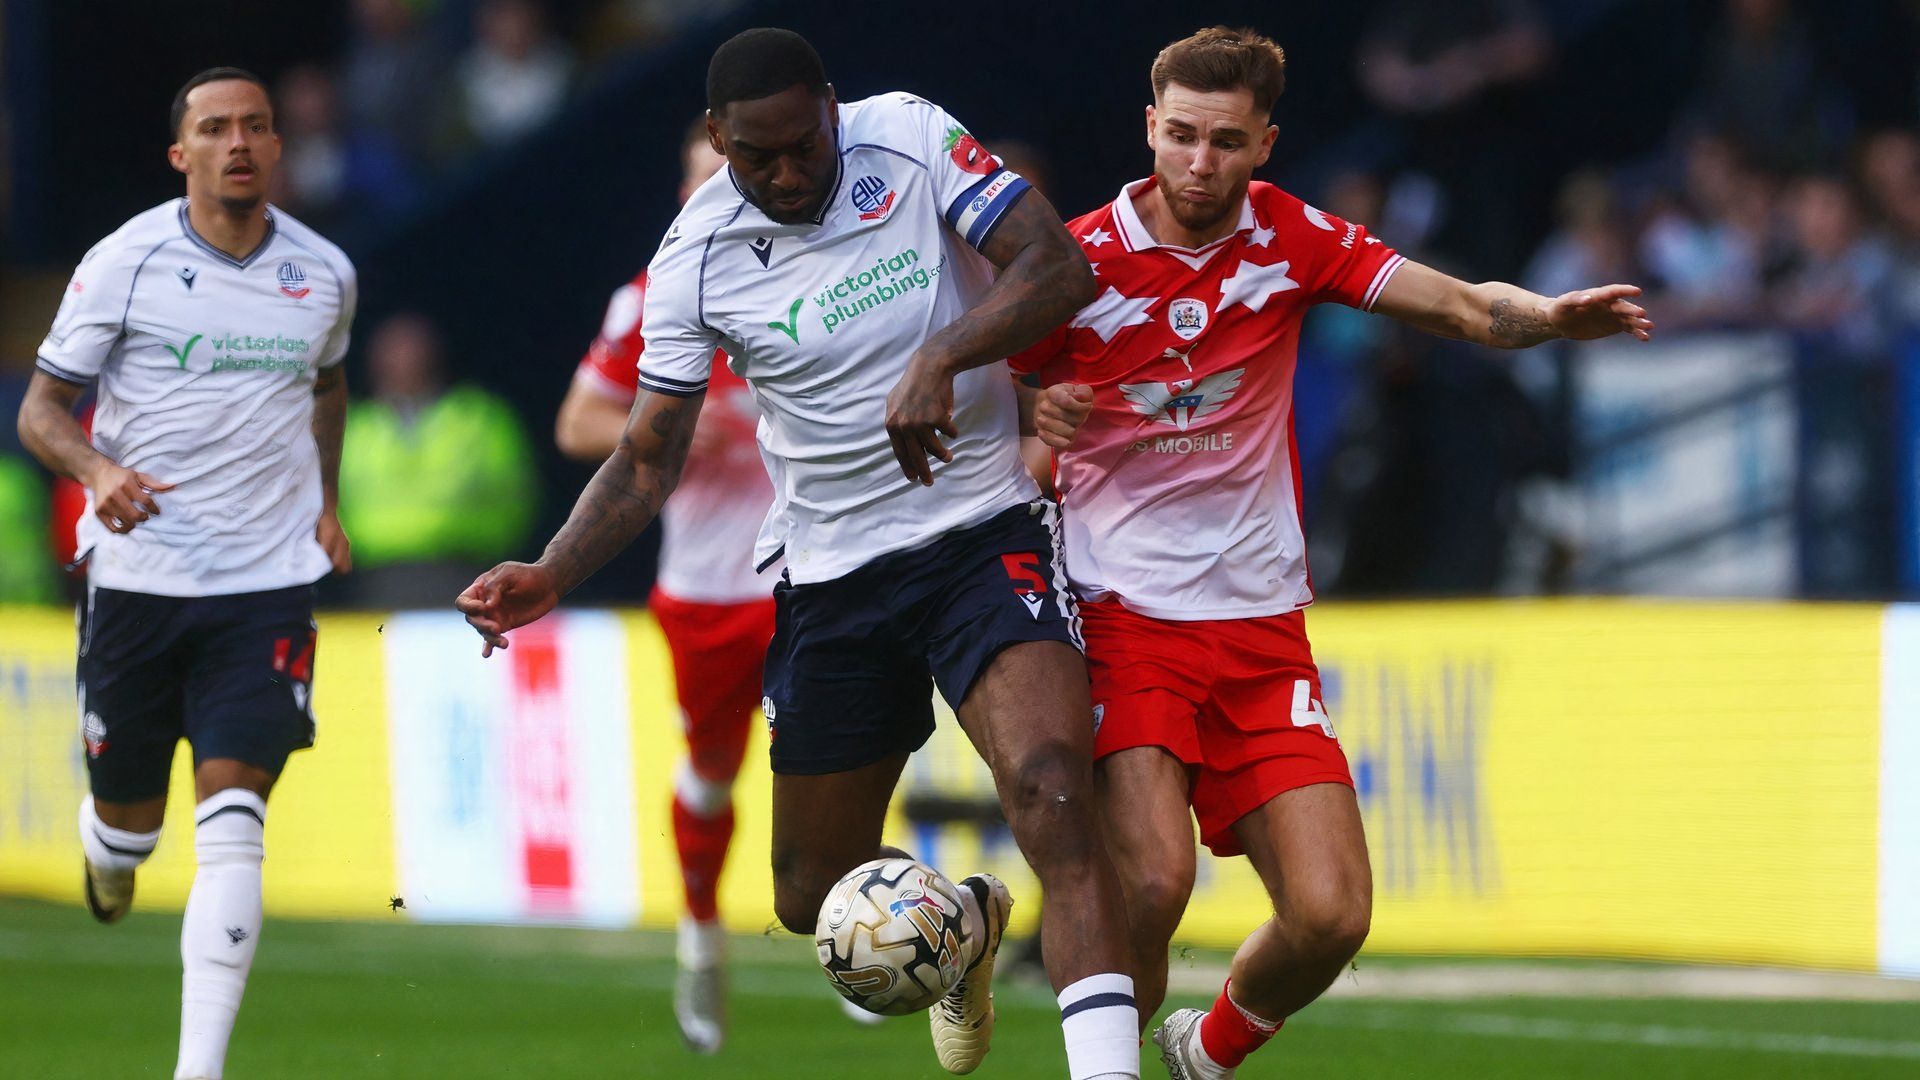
703,849
1228,1033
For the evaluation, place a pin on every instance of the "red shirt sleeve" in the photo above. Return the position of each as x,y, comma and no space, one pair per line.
1034,358
612,363
1346,264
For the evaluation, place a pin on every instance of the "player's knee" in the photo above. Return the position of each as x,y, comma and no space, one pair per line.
1335,921
1050,802
1157,895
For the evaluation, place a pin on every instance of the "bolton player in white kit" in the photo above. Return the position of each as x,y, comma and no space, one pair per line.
845,261
212,328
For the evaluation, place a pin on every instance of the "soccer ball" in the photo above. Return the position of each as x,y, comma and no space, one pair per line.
892,936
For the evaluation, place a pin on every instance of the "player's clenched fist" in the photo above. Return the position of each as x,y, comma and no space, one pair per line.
509,595
1060,411
919,411
123,498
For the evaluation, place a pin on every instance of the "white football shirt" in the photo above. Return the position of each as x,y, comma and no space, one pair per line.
821,319
205,366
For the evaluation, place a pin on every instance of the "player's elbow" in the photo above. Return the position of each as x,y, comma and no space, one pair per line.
1076,279
571,440
577,436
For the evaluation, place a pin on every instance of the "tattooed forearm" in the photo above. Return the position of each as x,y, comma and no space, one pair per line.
626,494
330,428
48,430
1514,327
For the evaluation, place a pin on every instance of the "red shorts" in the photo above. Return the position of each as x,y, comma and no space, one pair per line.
1237,700
718,652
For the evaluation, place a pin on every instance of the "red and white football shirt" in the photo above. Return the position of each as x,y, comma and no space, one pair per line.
1182,491
711,522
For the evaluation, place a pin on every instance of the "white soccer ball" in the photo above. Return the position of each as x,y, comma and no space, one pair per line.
892,936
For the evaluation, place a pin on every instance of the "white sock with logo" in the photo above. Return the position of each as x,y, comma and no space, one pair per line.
109,849
1101,1023
221,928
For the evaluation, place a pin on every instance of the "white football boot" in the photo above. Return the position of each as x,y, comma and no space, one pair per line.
109,893
1178,1038
963,1020
700,985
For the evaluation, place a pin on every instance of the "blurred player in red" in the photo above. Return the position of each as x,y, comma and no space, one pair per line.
716,613
1184,536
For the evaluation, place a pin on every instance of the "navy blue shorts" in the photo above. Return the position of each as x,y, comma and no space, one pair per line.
850,673
233,675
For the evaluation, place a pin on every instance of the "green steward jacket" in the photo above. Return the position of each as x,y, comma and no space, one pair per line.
454,483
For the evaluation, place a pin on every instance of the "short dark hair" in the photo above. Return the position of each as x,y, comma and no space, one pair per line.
1224,58
212,74
762,62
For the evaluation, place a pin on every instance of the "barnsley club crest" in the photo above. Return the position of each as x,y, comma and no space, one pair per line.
1187,317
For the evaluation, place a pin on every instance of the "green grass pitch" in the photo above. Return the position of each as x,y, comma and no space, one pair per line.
403,1000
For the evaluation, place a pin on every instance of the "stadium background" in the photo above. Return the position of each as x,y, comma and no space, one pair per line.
1614,637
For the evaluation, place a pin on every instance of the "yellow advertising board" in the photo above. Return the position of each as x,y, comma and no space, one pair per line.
1604,778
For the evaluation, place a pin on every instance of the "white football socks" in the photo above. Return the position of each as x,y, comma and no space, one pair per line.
109,849
221,927
700,946
1102,1026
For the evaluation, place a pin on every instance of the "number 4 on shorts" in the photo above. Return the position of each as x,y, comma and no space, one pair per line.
1310,713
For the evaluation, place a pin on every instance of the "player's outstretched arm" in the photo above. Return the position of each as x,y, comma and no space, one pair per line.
619,503
122,498
1044,278
1507,316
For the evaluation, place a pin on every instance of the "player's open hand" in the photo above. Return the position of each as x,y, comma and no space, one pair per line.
1586,314
1059,412
509,595
333,541
919,411
123,498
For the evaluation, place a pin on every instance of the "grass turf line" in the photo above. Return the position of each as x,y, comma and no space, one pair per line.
404,1000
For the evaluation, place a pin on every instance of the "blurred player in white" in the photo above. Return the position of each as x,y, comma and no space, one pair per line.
213,328
846,260
1184,536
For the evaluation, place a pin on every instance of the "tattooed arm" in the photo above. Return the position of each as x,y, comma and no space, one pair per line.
329,429
1044,278
619,503
1507,316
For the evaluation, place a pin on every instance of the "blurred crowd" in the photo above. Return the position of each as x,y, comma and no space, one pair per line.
1780,189
1776,199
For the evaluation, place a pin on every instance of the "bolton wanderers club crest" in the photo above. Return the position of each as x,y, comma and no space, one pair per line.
93,731
872,197
293,280
1188,317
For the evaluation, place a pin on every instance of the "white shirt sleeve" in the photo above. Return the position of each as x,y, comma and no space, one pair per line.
676,356
92,315
342,333
973,188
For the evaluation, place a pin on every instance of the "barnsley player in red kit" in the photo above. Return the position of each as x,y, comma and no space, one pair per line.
1184,536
